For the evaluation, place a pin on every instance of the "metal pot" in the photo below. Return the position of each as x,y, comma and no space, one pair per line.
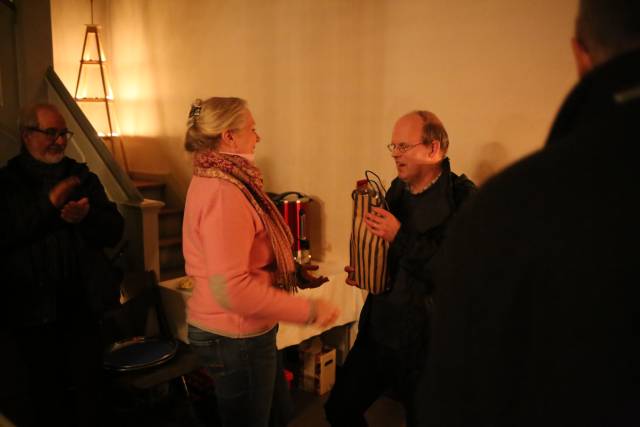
293,207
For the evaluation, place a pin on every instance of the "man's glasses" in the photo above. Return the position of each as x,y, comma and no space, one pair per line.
402,147
53,133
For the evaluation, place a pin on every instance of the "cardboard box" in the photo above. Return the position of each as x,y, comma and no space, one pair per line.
318,370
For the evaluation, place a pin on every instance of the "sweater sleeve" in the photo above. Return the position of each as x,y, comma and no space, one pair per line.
229,229
417,253
24,215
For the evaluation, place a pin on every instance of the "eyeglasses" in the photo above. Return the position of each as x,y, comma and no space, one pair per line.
53,133
402,147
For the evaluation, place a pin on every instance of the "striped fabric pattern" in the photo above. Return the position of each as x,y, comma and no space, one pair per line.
368,253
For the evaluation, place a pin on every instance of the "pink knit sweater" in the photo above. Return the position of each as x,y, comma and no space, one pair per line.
228,255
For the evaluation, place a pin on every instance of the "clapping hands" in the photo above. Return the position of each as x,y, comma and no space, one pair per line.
74,212
70,211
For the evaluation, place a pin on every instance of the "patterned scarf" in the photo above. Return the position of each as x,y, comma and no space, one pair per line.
247,177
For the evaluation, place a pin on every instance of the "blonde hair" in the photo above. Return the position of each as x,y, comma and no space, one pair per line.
208,119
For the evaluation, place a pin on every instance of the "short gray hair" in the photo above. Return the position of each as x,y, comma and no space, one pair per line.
28,117
433,130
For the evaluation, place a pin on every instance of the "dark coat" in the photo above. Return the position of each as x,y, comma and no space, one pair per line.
398,318
45,262
537,314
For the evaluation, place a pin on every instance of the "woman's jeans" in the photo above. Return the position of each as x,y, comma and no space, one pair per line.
244,374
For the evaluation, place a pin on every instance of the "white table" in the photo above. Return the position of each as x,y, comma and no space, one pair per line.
350,300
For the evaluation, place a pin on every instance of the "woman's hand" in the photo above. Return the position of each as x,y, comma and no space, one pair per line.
382,223
323,313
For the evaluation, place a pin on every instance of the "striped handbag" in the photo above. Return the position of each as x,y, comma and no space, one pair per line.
368,253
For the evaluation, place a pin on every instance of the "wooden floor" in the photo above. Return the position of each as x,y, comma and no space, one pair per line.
175,410
169,406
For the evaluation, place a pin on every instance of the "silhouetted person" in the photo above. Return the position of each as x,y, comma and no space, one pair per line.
536,311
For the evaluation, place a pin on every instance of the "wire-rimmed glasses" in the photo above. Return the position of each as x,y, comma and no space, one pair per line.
402,147
53,133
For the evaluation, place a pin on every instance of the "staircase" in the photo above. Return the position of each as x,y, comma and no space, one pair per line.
152,224
169,227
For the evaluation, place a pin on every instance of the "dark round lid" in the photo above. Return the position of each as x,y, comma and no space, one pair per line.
139,353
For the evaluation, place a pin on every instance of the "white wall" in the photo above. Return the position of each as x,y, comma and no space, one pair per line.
327,79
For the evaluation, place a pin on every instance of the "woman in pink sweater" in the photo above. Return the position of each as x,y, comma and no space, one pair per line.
237,249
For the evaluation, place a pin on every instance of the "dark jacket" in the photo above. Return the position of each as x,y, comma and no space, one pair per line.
398,318
45,262
536,319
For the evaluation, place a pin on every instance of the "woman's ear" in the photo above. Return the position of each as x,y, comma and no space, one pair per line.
227,141
227,136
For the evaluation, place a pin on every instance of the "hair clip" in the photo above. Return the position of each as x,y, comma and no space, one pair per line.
195,111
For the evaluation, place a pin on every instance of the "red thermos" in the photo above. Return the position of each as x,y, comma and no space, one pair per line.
293,207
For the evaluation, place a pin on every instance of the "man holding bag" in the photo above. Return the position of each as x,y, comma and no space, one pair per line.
393,326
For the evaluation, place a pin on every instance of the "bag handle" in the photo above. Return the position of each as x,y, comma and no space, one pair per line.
377,183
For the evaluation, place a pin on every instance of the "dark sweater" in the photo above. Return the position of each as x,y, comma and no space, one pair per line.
43,259
398,318
537,316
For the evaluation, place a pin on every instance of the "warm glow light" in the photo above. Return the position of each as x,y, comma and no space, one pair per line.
134,111
112,134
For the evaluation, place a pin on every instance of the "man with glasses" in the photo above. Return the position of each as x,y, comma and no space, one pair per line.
54,214
393,329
